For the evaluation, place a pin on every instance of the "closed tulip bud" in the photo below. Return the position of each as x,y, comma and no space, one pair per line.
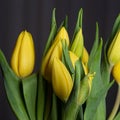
61,80
114,50
77,45
54,51
116,72
23,57
85,56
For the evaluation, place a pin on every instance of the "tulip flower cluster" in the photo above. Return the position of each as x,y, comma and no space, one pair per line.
71,83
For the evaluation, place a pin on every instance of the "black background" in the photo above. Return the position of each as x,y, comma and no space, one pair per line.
35,17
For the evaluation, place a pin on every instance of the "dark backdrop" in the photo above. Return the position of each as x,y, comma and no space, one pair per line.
35,16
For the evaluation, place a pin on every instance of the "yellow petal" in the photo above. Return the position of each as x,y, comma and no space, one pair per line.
26,55
85,56
116,72
14,58
61,80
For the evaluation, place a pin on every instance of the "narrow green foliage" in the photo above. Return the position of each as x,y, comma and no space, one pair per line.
117,116
95,45
66,59
54,114
13,89
30,91
52,33
41,91
79,23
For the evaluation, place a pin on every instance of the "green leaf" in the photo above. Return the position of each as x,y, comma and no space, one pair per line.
30,91
94,101
94,66
80,114
117,116
41,98
66,59
79,23
101,111
48,101
54,114
52,33
63,24
13,90
95,45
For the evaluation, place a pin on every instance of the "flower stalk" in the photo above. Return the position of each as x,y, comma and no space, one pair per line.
116,105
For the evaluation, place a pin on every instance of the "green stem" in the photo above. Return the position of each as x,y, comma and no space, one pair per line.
70,111
116,105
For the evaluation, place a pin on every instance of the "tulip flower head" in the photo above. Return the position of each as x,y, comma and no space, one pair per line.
114,50
116,72
23,57
54,51
61,80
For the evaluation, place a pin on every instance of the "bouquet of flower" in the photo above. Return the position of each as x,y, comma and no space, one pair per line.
71,84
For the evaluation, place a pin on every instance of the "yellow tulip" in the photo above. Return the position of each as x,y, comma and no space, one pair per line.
61,80
116,72
114,50
23,57
77,45
54,51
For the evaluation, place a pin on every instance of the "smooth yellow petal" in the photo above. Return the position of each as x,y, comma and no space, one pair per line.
14,58
26,55
85,56
61,80
62,35
116,72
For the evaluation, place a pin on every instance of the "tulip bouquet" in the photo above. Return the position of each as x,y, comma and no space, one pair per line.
71,84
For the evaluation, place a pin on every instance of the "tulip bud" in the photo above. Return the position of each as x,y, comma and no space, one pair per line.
23,57
54,51
61,80
77,45
114,49
116,72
